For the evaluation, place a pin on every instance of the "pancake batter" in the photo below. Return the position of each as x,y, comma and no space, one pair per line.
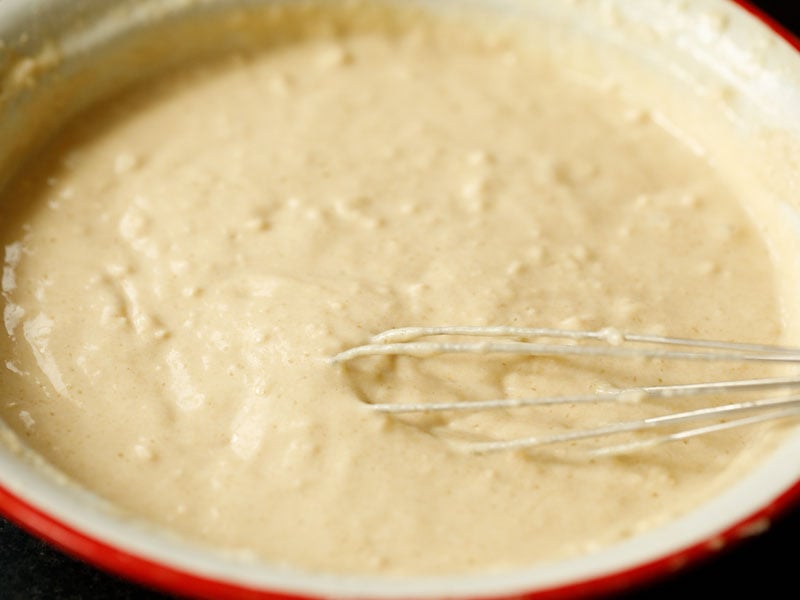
182,262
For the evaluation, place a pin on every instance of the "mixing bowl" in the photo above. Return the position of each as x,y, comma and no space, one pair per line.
58,57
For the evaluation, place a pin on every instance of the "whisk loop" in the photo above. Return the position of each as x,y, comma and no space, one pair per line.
608,342
402,342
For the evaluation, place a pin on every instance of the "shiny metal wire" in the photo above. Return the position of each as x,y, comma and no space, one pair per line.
607,342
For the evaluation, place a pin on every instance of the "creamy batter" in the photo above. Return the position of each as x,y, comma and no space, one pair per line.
181,263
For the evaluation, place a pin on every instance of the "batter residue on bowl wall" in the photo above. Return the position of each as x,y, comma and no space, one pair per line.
183,260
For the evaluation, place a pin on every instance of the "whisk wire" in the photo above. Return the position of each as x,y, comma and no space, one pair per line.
613,343
789,405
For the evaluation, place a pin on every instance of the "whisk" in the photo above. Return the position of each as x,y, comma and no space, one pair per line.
608,342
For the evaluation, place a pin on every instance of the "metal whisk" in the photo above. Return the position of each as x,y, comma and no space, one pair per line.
609,342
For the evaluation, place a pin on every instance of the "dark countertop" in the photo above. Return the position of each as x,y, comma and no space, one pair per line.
758,567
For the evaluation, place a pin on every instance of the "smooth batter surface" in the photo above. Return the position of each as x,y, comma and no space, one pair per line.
182,262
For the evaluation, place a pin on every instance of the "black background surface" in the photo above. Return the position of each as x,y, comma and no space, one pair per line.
767,566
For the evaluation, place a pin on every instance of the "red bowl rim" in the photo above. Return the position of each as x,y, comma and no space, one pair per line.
149,573
166,578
